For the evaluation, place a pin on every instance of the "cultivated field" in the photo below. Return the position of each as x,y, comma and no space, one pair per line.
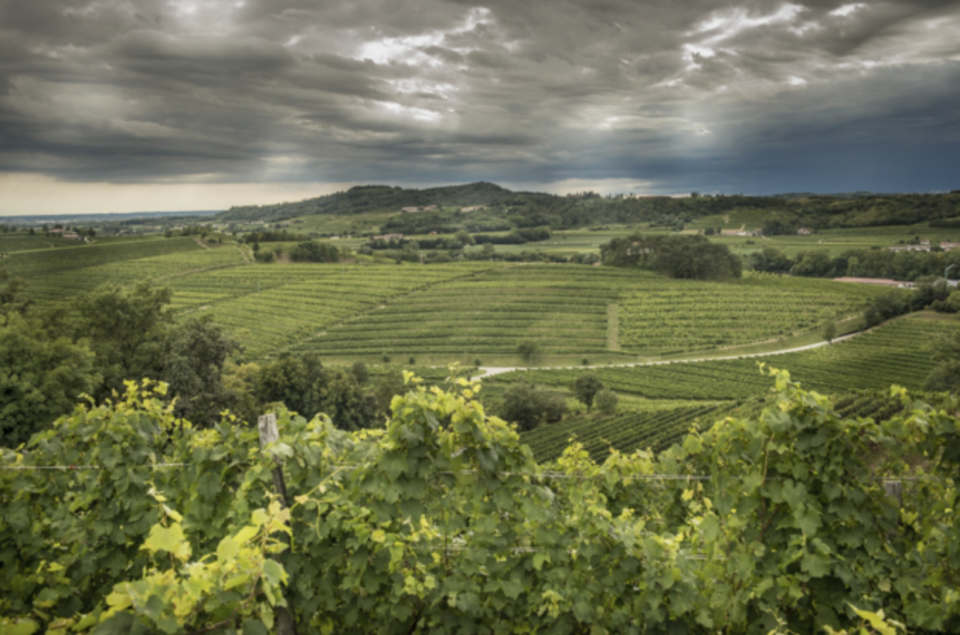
478,312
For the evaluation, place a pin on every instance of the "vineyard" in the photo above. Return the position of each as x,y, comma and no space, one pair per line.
280,307
896,353
562,308
662,315
160,269
654,430
76,261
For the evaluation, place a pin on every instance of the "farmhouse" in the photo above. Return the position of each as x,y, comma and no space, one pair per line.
880,281
910,247
388,237
741,232
804,231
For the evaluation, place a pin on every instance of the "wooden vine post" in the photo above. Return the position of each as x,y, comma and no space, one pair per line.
267,425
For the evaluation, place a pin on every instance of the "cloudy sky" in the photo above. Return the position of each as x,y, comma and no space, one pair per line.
117,105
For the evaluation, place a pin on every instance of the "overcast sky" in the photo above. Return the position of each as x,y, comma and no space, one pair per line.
113,105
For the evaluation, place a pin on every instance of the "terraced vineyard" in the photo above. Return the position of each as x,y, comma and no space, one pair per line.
159,269
273,308
898,352
659,315
35,264
562,308
654,429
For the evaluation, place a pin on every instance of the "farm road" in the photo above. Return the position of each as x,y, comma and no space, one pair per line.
490,371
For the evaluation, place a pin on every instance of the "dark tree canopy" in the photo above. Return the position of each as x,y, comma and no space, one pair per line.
127,330
314,251
41,377
192,365
586,388
528,406
677,256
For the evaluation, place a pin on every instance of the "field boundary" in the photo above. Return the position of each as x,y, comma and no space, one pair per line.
613,327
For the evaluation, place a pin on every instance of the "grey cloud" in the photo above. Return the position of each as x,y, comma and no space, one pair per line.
526,91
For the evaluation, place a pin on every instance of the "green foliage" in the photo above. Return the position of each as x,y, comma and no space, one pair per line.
192,363
770,260
528,406
314,251
41,377
692,257
127,331
359,370
606,401
297,381
529,351
443,521
11,300
829,331
945,376
889,305
586,388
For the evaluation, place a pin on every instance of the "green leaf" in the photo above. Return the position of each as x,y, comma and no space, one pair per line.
539,559
244,535
164,538
274,572
816,564
254,627
20,627
876,621
227,549
122,623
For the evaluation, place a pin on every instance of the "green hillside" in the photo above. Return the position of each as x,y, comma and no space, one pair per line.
899,352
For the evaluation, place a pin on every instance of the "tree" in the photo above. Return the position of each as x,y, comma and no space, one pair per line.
676,256
607,401
343,400
695,257
192,365
41,377
586,387
829,330
10,294
127,330
770,259
359,370
528,406
314,251
296,381
945,376
529,351
889,305
390,385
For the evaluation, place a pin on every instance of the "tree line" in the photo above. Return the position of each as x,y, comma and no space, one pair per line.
95,342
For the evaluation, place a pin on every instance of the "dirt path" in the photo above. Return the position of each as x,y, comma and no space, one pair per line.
201,243
490,371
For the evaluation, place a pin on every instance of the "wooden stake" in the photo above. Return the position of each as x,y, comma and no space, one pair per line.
267,425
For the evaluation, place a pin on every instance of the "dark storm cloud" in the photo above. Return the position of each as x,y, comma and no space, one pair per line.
682,95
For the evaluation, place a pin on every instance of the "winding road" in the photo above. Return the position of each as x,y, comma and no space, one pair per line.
490,371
